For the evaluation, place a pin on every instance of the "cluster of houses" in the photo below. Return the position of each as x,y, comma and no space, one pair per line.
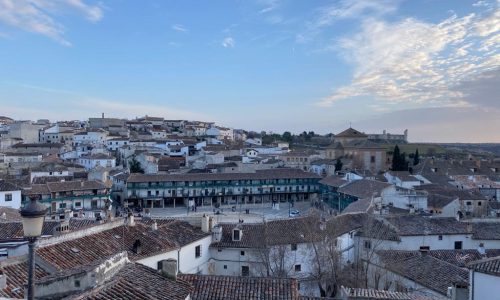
368,233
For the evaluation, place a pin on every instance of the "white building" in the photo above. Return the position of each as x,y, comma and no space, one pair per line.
92,161
10,195
116,143
221,133
484,278
90,137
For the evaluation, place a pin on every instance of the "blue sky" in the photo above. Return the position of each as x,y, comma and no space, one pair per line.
430,66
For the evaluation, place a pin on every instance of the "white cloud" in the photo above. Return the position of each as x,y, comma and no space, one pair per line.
228,42
269,5
345,9
179,27
412,61
37,16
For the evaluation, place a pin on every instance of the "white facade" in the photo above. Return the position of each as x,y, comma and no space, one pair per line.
187,261
114,144
483,286
58,173
90,162
90,138
404,198
10,199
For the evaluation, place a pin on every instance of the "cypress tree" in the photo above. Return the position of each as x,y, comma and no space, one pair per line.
416,158
396,157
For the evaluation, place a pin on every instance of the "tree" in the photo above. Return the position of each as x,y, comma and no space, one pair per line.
287,136
135,166
416,158
396,157
399,162
338,165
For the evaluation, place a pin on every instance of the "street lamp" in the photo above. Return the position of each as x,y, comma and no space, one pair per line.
33,215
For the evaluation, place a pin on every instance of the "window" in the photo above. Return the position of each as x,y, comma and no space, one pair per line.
225,267
245,271
458,245
294,247
62,205
368,244
469,203
8,197
372,159
236,235
479,203
77,283
197,251
78,204
298,268
159,265
440,237
242,253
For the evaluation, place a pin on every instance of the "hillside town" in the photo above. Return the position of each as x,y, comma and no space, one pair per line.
152,208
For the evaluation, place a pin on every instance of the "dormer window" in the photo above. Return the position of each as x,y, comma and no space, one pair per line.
237,233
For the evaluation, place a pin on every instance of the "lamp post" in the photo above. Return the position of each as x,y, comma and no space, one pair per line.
33,215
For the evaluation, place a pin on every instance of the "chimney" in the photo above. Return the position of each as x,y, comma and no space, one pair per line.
481,249
130,221
82,183
424,250
137,247
469,227
3,281
154,226
103,115
217,233
169,268
205,223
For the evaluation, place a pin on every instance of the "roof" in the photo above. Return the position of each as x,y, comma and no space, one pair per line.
334,181
372,294
410,225
286,231
364,188
138,282
403,175
209,287
7,186
359,206
64,186
14,229
97,156
425,270
489,266
81,251
486,231
438,201
363,144
16,271
351,132
260,174
8,214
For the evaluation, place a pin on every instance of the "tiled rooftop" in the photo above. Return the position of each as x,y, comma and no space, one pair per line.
137,282
17,277
261,174
81,251
208,287
425,270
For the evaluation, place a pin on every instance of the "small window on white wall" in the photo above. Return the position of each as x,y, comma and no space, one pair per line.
8,197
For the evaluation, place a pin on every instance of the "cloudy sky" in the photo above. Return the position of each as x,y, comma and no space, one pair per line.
431,66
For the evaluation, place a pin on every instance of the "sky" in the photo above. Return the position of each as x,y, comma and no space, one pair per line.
429,66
